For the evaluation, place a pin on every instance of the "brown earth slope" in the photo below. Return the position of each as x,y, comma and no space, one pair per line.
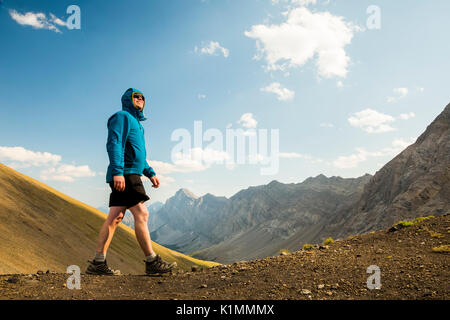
41,228
410,269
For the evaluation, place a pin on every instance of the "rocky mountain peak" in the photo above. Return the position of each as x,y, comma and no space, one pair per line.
185,193
274,183
438,126
321,178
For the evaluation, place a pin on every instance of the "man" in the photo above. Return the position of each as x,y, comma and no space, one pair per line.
127,156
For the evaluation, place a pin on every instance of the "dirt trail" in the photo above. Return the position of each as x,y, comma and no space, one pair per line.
409,269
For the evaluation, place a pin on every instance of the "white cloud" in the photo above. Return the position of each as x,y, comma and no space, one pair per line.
296,2
19,157
292,155
57,20
305,36
37,20
67,173
212,49
304,2
282,93
353,160
339,84
201,96
26,158
206,155
248,121
196,159
371,121
400,94
161,167
406,116
296,155
327,125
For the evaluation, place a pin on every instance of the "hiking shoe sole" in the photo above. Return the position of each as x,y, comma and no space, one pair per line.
158,266
101,269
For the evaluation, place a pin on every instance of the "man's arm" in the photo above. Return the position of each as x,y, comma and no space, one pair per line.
118,130
148,171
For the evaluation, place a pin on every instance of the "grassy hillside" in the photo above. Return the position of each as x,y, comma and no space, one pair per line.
42,228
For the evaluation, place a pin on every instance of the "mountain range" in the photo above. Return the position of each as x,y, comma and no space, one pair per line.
261,220
255,222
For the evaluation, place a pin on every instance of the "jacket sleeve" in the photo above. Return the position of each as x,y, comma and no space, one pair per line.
118,130
148,171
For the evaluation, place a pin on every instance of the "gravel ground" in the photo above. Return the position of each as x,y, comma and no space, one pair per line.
409,269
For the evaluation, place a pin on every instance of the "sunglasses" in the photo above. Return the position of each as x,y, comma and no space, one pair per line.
138,96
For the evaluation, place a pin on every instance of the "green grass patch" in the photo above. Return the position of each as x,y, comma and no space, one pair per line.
307,246
328,241
436,235
442,249
420,219
405,224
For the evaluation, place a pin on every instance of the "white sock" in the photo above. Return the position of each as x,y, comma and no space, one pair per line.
151,257
99,257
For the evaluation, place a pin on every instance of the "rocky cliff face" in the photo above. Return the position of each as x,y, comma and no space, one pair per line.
262,220
415,183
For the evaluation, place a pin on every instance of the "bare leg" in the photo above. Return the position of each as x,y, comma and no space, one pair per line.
115,216
140,214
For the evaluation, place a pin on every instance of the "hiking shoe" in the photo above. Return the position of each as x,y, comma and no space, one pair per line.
101,268
158,266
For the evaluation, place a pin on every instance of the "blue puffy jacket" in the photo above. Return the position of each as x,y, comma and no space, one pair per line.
126,143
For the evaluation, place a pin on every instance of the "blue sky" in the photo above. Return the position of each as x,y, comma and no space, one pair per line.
345,98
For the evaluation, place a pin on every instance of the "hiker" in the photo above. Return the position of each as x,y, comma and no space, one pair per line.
127,156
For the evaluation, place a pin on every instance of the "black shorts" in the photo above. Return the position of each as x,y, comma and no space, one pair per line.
133,194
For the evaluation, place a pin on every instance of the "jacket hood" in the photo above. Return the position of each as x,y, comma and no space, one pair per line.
128,104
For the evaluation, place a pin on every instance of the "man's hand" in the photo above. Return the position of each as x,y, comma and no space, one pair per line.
119,183
155,181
